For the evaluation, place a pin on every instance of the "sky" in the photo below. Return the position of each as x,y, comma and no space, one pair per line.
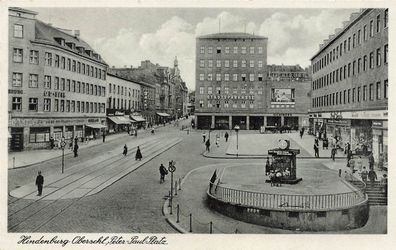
127,36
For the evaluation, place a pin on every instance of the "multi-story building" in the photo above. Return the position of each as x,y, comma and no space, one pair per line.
350,83
123,100
57,83
234,87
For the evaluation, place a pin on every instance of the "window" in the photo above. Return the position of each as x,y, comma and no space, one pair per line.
73,86
78,106
365,32
218,77
386,89
354,95
16,103
371,60
364,63
251,50
73,106
63,62
234,90
260,50
243,104
57,61
235,63
62,106
371,28
67,106
364,93
202,51
385,53
48,59
78,67
68,84
251,64
34,57
17,55
371,91
33,104
386,18
56,105
47,104
243,63
209,104
18,30
359,37
78,88
62,85
210,78
226,77
218,90
83,72
251,77
201,78
47,82
349,95
378,57
201,63
378,90
260,91
243,77
226,90
68,66
349,43
218,50
378,22
56,83
210,63
201,103
349,69
227,63
16,79
210,50
353,67
227,50
243,50
235,104
218,63
226,105
235,50
33,81
260,77
260,64
251,91
210,90
39,134
353,40
235,77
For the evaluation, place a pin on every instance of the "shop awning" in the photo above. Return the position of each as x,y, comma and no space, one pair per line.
163,114
120,119
138,118
98,125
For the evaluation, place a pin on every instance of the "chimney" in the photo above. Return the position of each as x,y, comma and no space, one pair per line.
77,33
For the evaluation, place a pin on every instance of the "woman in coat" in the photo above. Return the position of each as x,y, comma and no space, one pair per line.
138,155
125,150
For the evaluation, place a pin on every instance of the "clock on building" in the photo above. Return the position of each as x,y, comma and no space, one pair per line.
283,144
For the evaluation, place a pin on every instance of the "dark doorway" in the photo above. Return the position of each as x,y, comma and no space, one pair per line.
204,122
239,120
273,121
16,143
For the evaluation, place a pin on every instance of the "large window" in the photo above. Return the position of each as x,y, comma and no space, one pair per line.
16,103
378,23
17,79
18,30
57,61
385,53
371,91
243,50
386,18
33,81
47,82
33,104
48,59
378,57
378,90
371,28
365,93
235,63
386,89
371,60
17,55
34,57
201,63
47,104
235,50
201,78
202,50
260,50
39,134
251,50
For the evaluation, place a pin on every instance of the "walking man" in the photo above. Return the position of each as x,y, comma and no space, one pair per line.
138,155
75,150
316,148
39,183
104,137
163,172
207,145
203,137
226,136
372,175
125,150
333,153
371,161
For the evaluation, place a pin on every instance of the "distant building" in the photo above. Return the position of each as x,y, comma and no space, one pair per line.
57,84
350,83
234,85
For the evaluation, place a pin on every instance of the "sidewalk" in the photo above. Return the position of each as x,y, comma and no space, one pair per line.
31,157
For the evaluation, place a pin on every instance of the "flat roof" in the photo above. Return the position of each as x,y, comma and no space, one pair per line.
231,35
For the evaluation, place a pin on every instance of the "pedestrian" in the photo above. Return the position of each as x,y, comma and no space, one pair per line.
384,184
349,155
333,153
125,150
39,183
217,140
75,140
364,174
52,142
135,132
207,145
152,130
138,155
316,149
226,136
267,167
372,175
339,172
163,172
75,150
203,137
371,161
302,132
104,137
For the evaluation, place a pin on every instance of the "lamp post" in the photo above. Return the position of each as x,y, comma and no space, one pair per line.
171,168
236,128
63,144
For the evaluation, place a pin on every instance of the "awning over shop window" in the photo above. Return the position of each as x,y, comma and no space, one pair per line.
120,119
98,125
163,114
138,118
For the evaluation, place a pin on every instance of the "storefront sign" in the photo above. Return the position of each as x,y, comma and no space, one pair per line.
230,97
49,93
366,114
31,122
93,120
336,115
15,91
338,122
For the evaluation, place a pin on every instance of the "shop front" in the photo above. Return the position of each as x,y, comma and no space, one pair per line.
138,121
118,124
203,121
222,122
256,122
380,143
339,129
362,135
163,118
240,121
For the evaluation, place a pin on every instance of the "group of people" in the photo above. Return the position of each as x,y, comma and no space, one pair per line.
138,155
207,141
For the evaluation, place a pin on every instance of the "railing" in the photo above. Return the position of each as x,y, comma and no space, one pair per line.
289,201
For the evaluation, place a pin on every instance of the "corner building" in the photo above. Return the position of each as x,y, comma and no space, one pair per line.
350,83
56,84
234,86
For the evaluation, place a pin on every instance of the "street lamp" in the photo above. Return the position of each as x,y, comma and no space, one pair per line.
236,128
63,144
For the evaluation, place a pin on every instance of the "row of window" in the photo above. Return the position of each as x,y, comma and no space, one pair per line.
59,84
121,90
228,50
59,105
235,77
61,62
226,63
226,104
351,42
117,103
354,95
353,68
218,90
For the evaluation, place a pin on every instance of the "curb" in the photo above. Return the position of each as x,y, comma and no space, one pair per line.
171,222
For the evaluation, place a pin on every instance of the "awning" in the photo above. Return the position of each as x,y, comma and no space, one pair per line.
163,114
98,125
120,119
138,118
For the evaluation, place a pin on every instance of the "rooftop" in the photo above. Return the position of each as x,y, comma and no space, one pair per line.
231,35
22,10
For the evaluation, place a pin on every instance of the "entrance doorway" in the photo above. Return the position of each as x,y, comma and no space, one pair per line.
16,143
256,122
239,120
292,122
273,121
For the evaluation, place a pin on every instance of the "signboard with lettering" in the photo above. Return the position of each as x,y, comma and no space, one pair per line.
230,97
31,122
49,93
15,91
